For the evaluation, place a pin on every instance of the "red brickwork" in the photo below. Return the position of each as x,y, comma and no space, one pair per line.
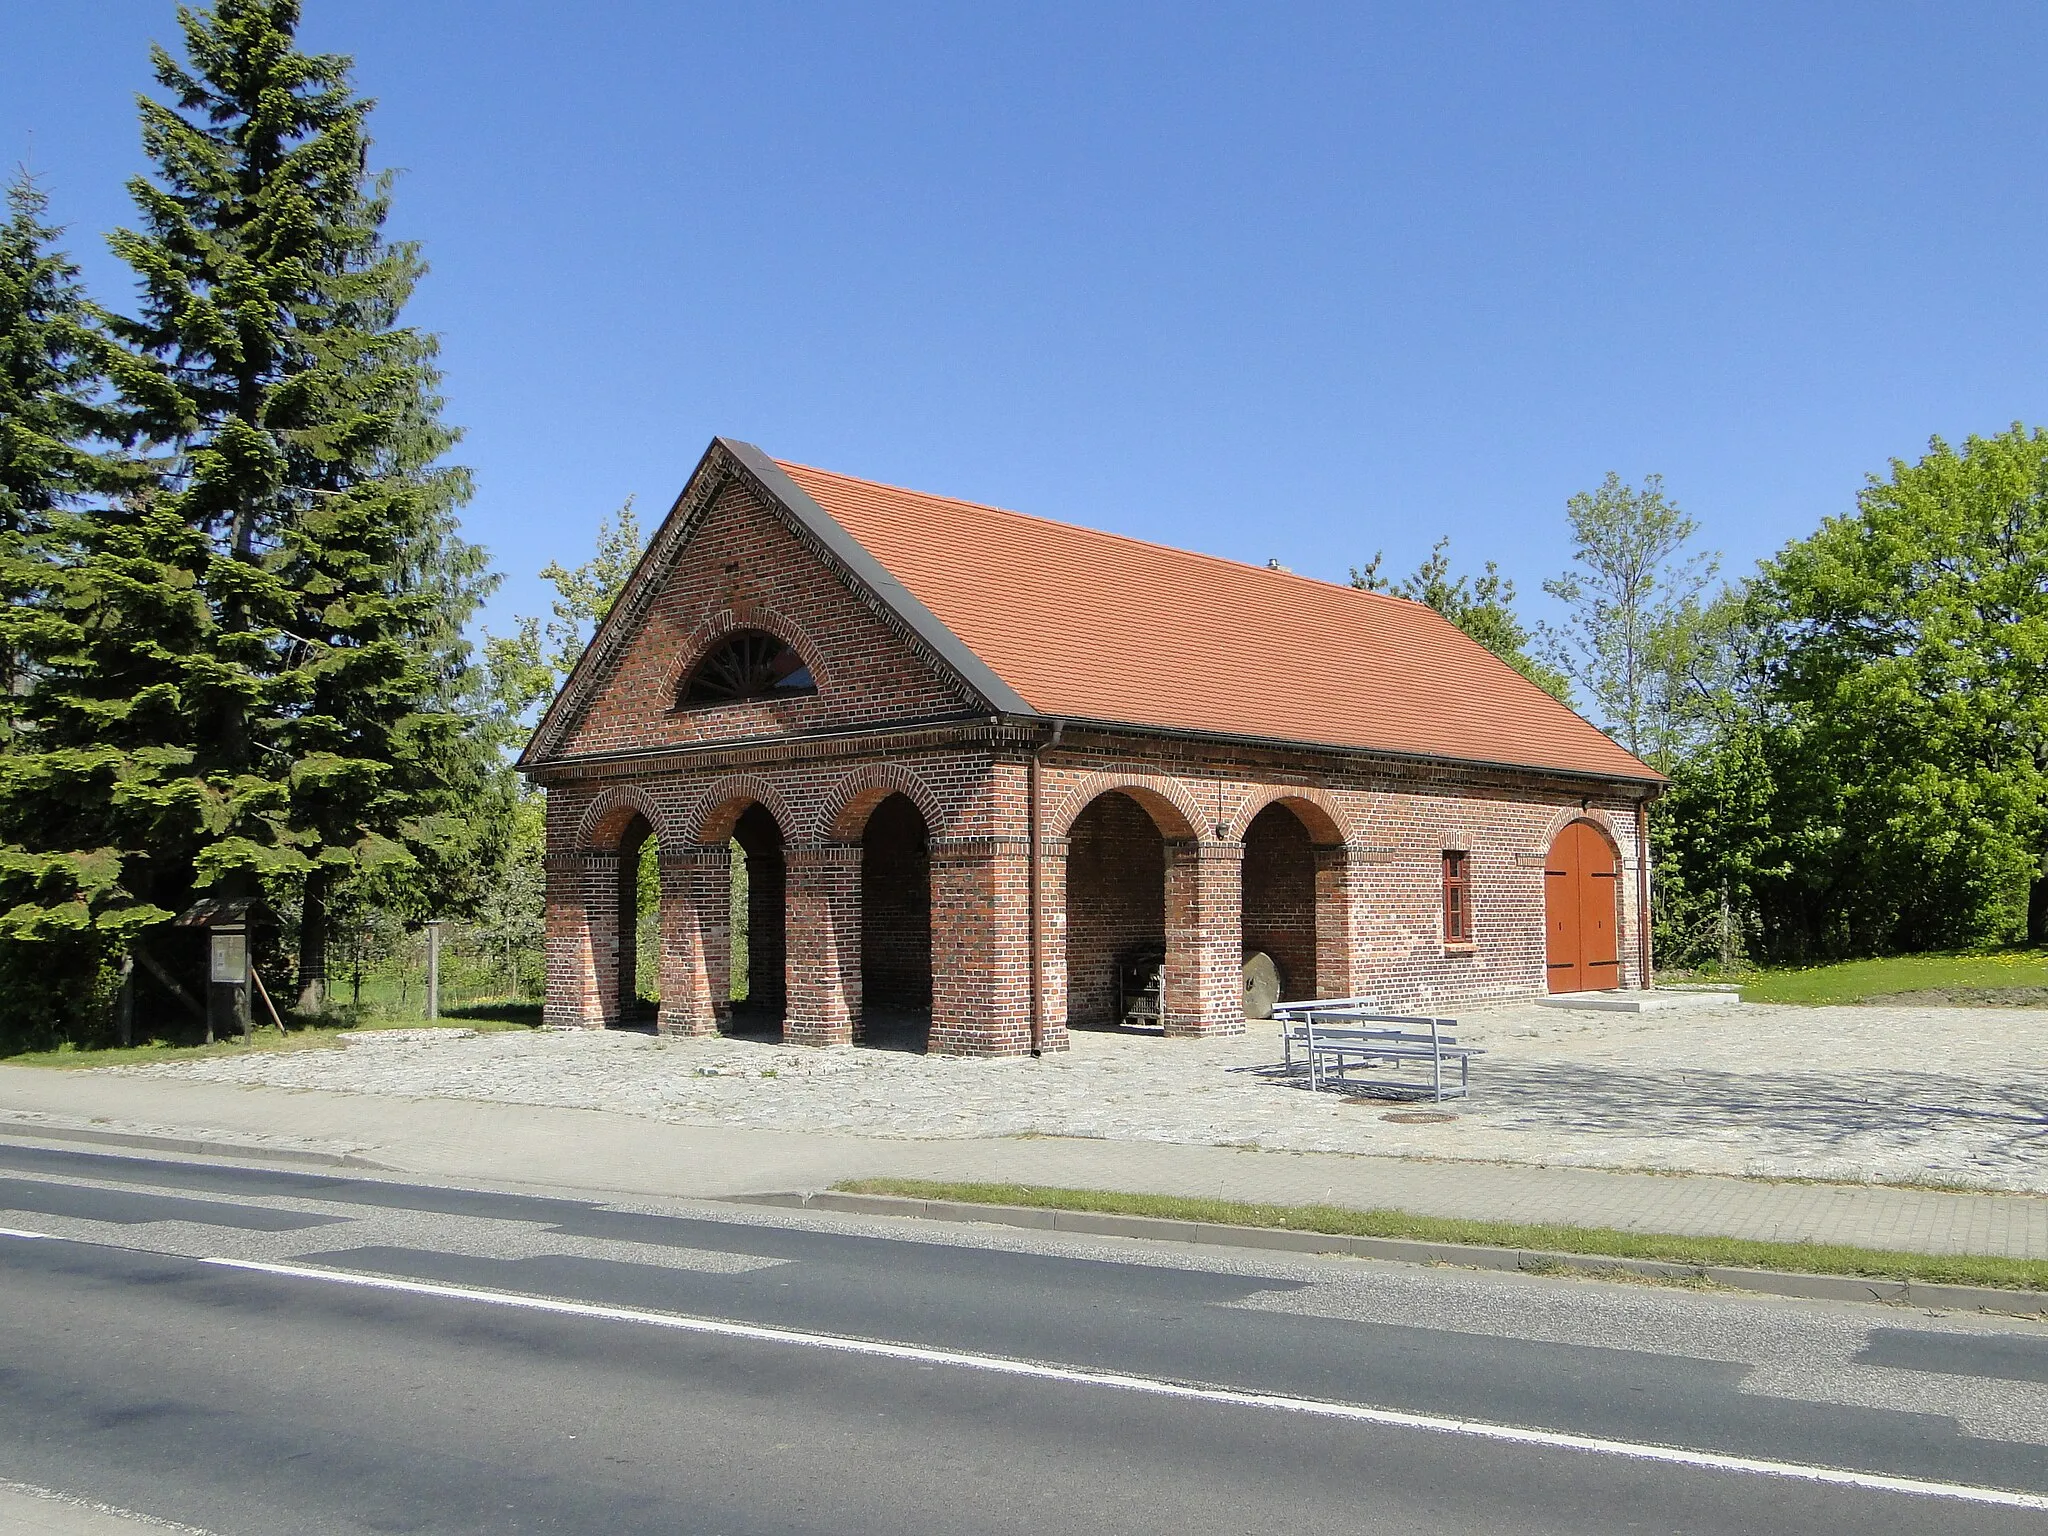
824,944
1204,939
864,672
1330,861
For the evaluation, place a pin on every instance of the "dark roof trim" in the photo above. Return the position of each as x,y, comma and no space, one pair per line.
853,555
1652,787
566,706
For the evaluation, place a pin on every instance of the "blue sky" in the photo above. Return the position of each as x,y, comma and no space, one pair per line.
1270,281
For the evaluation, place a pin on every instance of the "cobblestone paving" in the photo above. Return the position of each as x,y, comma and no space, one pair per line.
1954,1095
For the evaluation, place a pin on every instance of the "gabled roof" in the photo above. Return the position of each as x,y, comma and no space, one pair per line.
1095,626
1044,618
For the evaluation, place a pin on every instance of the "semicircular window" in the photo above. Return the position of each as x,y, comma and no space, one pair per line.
750,664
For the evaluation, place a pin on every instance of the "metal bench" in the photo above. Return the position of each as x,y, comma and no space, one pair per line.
1335,1035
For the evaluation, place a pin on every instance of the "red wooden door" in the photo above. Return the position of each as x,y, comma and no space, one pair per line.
1579,885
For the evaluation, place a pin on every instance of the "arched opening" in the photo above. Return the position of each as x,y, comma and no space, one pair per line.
1116,916
896,927
1279,910
757,986
638,919
747,664
1581,892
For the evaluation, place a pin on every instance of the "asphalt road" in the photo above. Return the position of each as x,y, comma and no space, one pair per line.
689,1370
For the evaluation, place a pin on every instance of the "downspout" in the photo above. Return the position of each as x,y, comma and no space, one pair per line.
1032,857
1643,892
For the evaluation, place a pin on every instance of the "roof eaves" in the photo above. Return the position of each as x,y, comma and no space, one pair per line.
775,482
569,700
1648,779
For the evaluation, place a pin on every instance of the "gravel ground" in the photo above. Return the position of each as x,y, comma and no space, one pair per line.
1942,1095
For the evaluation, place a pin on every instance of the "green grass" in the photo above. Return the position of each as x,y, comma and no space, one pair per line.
1969,977
486,1017
1589,1242
67,1057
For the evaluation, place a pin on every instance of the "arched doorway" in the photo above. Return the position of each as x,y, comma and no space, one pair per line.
1581,883
758,986
1116,914
895,927
638,926
1279,909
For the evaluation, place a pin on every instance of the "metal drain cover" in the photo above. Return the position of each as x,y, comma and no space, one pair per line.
1419,1117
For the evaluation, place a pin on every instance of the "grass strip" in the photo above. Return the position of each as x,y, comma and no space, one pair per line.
1967,976
1589,1242
304,1036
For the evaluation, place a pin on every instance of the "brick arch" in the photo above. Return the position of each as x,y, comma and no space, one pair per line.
608,816
1328,827
723,621
1169,805
855,797
721,804
1599,820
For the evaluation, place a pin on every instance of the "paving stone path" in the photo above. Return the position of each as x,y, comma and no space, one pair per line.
1940,1095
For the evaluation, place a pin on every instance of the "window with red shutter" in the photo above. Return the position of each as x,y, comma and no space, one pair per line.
1457,897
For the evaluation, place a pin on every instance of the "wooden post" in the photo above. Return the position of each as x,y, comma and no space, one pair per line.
124,1001
433,971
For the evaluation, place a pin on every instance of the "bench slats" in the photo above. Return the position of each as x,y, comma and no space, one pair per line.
1336,1032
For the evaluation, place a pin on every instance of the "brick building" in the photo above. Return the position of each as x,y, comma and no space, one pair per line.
879,702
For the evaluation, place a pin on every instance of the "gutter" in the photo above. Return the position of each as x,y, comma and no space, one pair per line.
1651,782
1034,857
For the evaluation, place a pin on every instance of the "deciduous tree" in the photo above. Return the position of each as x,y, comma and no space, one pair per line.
1483,606
1632,596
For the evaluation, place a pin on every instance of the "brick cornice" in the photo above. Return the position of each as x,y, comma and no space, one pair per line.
966,849
860,742
821,855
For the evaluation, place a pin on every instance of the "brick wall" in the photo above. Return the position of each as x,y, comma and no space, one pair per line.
744,569
1363,916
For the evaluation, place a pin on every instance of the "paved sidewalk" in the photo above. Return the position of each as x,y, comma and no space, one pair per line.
466,1140
1850,1095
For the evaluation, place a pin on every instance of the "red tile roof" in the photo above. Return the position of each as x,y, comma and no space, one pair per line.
1095,626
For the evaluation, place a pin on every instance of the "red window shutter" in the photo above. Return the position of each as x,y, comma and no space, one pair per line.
1457,897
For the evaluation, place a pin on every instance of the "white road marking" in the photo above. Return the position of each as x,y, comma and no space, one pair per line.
1156,1387
18,1232
110,1515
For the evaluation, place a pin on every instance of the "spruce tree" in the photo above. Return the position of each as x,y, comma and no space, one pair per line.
51,403
251,676
304,421
73,799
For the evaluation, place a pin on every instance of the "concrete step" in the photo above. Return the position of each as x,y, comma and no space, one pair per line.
1659,1001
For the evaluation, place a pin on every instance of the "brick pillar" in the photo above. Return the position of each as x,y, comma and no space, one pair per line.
696,939
582,944
981,947
1629,920
1052,897
823,966
1340,932
1204,938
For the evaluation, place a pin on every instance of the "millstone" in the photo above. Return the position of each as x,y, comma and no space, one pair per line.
1261,985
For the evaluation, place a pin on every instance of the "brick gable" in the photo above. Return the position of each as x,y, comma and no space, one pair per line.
743,567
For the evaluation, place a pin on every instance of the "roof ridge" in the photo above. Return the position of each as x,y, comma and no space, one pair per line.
1105,533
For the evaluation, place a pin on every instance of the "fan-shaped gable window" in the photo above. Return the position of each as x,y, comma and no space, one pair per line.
750,664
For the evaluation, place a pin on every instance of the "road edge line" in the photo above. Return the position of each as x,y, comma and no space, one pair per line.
1158,1387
